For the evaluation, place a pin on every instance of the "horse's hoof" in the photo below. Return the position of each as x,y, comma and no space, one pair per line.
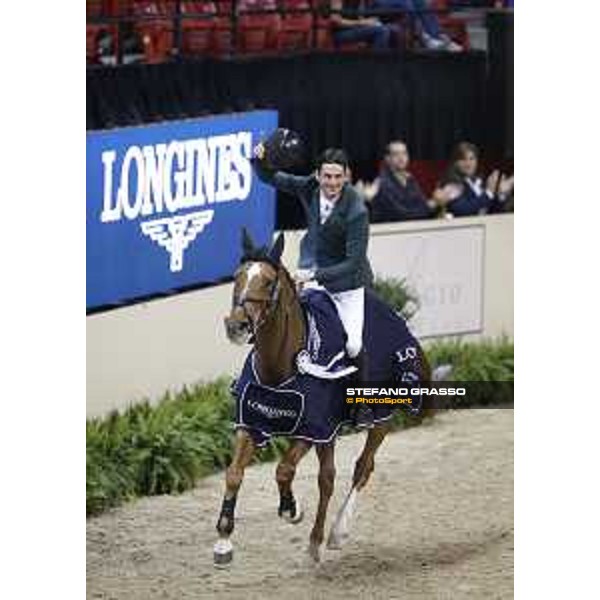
314,552
335,541
223,553
294,519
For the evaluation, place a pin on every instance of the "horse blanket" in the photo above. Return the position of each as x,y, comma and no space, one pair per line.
311,405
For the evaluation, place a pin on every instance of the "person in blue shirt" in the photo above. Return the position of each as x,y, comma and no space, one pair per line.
396,195
350,27
425,21
464,191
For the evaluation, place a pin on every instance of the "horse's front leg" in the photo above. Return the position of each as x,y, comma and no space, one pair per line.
326,484
242,455
284,475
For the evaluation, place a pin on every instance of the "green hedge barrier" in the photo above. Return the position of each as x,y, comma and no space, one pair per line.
167,447
397,294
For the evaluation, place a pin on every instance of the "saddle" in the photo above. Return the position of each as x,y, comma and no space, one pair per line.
394,353
324,356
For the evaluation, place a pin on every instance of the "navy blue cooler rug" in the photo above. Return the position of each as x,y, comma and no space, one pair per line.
313,407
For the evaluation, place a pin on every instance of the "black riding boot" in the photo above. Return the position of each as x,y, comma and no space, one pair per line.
362,414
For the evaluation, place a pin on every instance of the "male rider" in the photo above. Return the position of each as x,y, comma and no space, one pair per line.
334,250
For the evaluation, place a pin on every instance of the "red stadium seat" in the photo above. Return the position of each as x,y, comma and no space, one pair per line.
197,34
95,8
224,7
203,30
428,173
93,31
208,36
222,37
296,27
222,33
324,34
156,33
322,29
257,32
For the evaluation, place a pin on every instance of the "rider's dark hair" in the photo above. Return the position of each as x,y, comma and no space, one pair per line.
335,156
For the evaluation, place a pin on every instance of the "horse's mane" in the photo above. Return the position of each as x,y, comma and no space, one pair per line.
291,283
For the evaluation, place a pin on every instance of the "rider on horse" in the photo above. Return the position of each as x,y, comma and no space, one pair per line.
334,250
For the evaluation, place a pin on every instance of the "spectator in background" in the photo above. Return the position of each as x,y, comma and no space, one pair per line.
350,28
463,192
395,195
425,22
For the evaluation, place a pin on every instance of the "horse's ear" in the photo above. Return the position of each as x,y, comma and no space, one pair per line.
247,243
277,248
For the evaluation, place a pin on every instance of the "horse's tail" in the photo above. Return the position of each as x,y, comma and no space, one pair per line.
440,373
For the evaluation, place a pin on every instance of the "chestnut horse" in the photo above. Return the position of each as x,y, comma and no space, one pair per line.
266,311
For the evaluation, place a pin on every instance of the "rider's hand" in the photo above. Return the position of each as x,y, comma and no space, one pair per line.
259,151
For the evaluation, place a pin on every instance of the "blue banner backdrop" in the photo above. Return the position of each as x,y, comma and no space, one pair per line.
166,204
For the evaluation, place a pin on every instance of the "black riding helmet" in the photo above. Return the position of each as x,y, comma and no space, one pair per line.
284,150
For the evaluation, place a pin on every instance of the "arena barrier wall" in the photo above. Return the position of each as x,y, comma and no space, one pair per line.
461,269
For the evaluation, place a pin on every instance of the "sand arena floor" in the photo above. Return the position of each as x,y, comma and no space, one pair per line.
435,522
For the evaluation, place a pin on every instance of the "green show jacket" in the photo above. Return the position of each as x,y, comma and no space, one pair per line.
336,249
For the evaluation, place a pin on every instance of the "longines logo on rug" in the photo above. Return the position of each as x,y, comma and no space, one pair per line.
174,177
271,412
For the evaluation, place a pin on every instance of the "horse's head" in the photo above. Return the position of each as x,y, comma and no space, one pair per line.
256,289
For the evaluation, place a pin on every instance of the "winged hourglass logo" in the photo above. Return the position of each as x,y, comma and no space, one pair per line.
175,234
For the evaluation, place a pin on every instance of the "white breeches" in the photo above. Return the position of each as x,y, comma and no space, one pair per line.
351,309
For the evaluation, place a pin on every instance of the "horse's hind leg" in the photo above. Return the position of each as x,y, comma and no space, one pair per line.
366,462
242,455
284,475
326,484
363,468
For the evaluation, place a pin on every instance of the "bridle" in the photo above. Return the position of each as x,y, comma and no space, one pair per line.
270,302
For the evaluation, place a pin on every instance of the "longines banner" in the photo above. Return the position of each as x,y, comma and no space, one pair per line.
166,204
